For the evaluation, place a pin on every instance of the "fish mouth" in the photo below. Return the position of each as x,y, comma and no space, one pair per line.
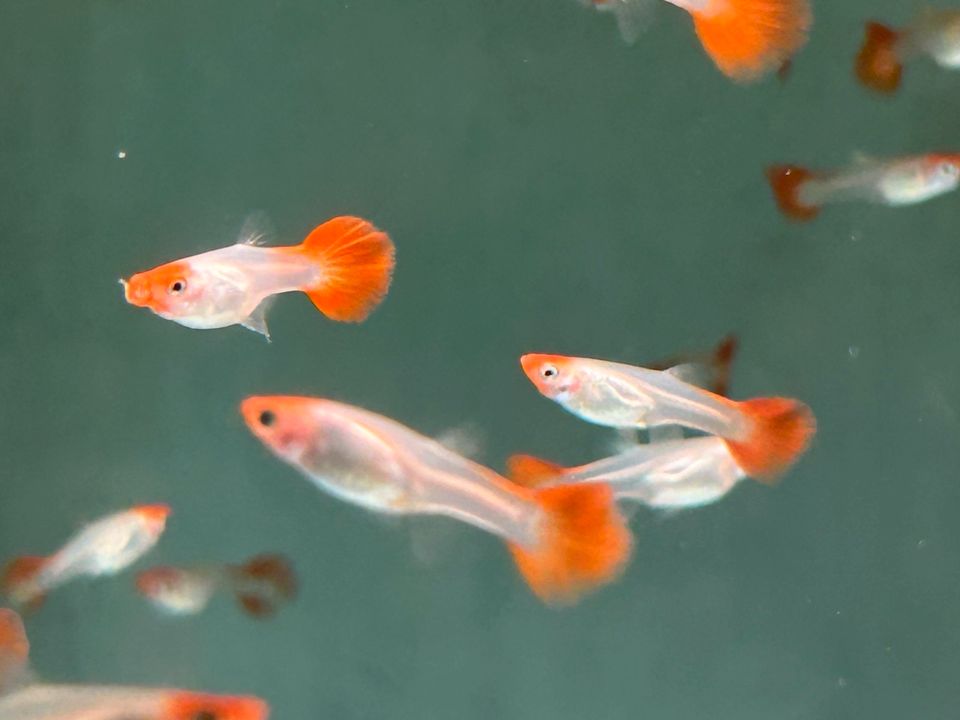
135,293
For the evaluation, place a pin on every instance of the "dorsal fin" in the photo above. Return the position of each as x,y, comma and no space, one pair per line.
256,230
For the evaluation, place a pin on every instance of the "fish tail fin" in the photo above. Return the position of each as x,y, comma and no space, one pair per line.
263,583
785,182
748,38
19,582
781,430
355,261
183,705
583,543
529,471
722,362
877,65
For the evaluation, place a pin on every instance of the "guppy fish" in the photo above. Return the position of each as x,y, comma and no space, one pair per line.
800,193
746,39
670,475
343,265
765,435
565,540
21,698
260,585
934,33
104,547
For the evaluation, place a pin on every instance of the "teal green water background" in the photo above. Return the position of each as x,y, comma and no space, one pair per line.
548,189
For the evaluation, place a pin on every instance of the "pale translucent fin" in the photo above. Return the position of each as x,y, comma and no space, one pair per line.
465,440
665,433
624,439
861,159
633,17
256,230
693,373
433,539
257,320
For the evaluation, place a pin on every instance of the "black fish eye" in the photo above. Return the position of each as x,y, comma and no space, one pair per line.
268,418
177,287
549,371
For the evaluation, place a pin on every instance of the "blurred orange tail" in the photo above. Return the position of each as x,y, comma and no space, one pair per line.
748,38
786,181
189,706
263,583
529,471
355,262
782,430
14,646
878,66
19,582
583,544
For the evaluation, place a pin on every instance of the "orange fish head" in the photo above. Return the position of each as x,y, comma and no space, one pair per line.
944,165
285,424
553,375
158,580
200,706
165,289
153,516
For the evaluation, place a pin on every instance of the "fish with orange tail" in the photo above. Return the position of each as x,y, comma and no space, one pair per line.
565,541
934,34
24,698
260,585
800,193
344,266
104,547
765,436
746,39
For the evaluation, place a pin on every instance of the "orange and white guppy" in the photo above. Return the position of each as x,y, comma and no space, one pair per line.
343,265
565,540
764,435
746,39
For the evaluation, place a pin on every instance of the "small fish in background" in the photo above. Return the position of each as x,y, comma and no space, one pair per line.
746,39
260,585
23,698
669,475
765,436
800,193
344,266
105,547
565,540
934,34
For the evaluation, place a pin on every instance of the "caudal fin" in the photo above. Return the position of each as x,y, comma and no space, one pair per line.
877,65
584,543
19,582
355,261
782,429
785,182
748,38
191,705
14,649
263,583
529,471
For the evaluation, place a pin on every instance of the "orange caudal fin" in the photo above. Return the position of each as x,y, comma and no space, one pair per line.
263,583
782,429
14,650
19,582
355,261
748,38
191,706
785,182
877,65
584,543
530,471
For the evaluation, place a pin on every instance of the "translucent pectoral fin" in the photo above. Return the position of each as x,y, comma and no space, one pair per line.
257,320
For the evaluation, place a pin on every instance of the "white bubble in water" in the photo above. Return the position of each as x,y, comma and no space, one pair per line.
121,154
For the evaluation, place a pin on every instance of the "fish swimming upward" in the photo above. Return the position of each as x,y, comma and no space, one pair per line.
934,34
22,698
746,39
260,585
670,475
765,435
105,547
343,265
800,193
565,541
